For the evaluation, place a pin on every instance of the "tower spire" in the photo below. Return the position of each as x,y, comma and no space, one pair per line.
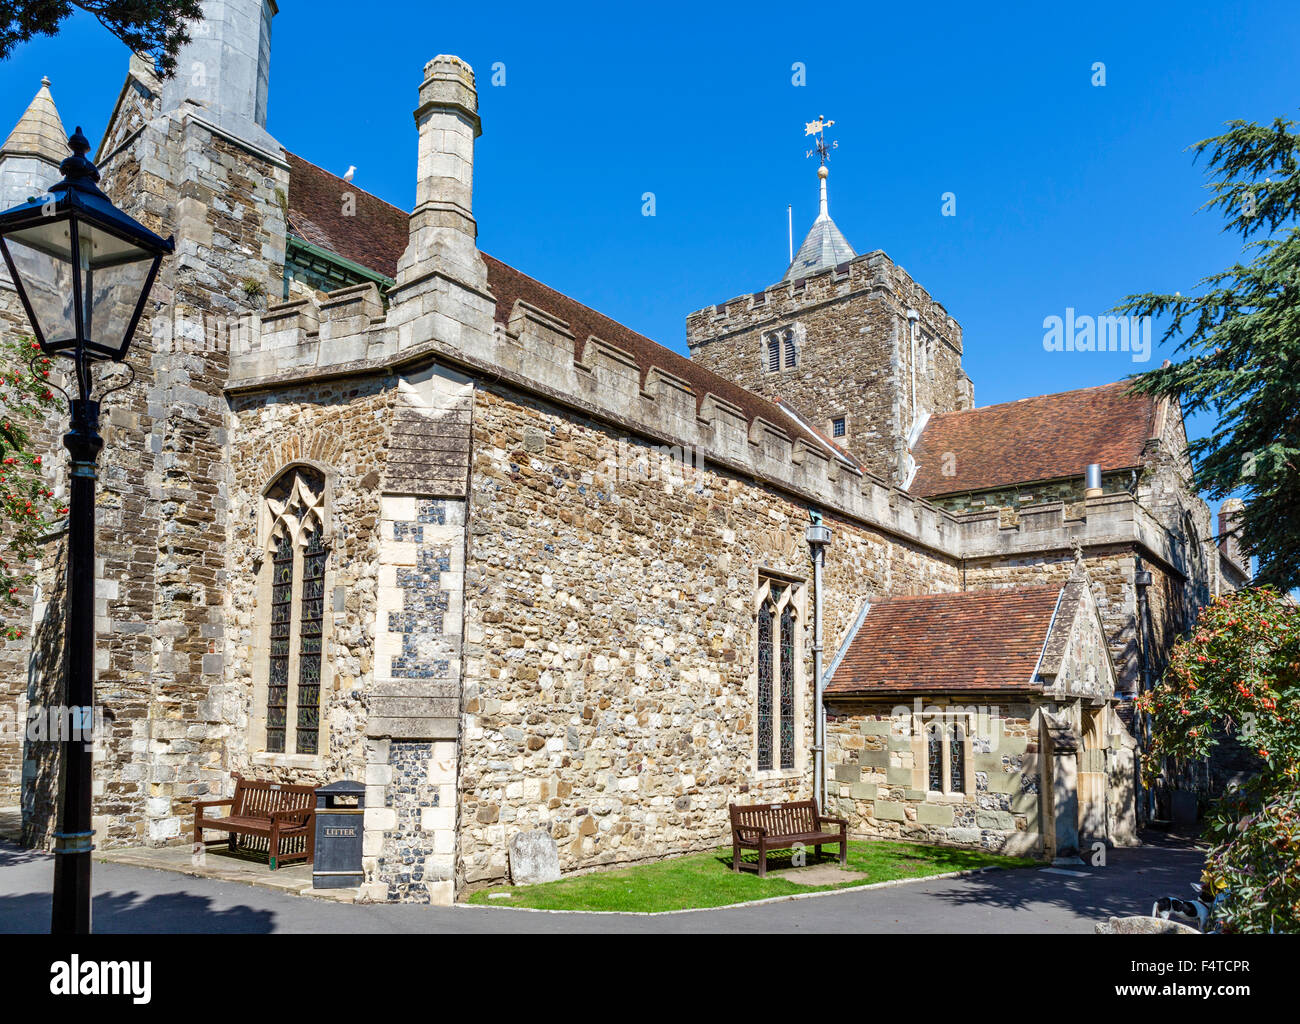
825,246
30,156
39,132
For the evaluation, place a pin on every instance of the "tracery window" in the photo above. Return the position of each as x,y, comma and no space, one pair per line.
945,750
298,555
779,608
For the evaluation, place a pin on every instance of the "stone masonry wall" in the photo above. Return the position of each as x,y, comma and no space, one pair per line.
163,485
609,659
877,770
341,429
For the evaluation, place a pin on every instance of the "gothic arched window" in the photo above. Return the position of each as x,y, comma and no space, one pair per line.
297,554
779,606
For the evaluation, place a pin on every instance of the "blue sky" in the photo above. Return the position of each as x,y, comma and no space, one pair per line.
1067,194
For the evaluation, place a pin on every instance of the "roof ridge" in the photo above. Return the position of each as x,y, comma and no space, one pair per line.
1019,588
1035,398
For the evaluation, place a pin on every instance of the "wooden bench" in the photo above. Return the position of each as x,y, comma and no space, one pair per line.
764,827
283,815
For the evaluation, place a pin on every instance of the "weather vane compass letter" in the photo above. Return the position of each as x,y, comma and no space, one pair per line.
818,128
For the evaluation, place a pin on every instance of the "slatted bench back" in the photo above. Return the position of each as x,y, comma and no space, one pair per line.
788,819
256,799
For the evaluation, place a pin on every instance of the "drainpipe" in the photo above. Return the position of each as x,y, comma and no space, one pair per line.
913,318
819,535
1142,580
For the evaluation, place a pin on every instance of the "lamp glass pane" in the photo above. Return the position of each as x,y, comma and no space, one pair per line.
42,257
114,275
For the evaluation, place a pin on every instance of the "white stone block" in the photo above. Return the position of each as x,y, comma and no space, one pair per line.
433,819
442,894
382,819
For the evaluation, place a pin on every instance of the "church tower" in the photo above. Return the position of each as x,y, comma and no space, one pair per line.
847,342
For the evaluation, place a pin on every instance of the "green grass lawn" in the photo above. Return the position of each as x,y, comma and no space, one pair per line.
706,879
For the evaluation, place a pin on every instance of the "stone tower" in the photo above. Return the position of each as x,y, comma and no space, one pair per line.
190,158
224,72
30,157
851,343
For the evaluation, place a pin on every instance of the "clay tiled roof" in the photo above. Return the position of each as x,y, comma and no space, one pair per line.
978,640
377,236
1047,437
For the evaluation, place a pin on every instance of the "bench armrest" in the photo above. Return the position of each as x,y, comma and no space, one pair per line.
742,829
834,821
293,813
212,803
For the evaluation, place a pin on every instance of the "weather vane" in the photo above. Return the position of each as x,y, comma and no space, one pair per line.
818,128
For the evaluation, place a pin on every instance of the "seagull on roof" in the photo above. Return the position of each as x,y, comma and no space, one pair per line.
347,175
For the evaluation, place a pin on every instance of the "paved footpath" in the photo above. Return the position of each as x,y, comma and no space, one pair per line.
1030,900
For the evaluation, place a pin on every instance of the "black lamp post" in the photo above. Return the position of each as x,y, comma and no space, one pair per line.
83,270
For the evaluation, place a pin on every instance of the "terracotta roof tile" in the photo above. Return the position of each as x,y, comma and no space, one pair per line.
977,640
1046,437
377,236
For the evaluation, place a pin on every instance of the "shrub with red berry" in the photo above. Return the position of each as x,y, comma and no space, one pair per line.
1238,674
28,507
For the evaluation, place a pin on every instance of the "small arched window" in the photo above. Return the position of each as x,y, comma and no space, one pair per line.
934,757
957,759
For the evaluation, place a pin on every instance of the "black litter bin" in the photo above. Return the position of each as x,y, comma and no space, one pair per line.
340,811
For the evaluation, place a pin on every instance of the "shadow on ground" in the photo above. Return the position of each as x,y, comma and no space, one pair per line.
132,912
1165,864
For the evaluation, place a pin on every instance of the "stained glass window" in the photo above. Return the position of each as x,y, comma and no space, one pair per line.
297,556
277,691
765,688
787,688
309,651
934,757
956,760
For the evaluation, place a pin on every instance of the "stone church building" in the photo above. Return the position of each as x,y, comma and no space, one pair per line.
380,506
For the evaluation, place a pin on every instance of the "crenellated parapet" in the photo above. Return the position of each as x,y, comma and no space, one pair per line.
538,353
872,273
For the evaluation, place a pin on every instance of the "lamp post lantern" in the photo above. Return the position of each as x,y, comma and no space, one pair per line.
83,270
